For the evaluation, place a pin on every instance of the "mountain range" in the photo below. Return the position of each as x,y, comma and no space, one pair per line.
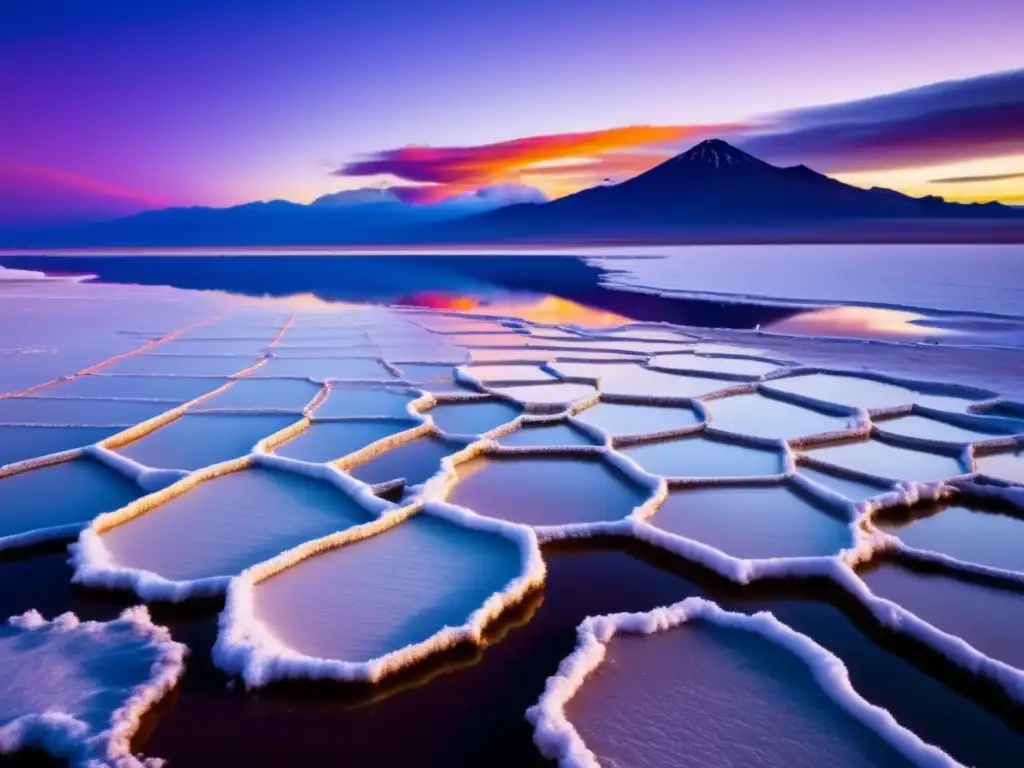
712,189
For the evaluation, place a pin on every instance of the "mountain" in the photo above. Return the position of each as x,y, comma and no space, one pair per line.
351,216
715,185
713,192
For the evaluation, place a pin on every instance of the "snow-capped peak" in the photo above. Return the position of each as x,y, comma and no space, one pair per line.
715,153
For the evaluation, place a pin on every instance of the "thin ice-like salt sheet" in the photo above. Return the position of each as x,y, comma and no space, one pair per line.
152,364
173,388
348,402
984,536
703,457
472,418
714,348
385,592
414,461
630,419
426,372
245,394
633,379
555,395
730,365
332,440
874,457
321,369
68,411
492,373
62,496
197,440
857,392
933,429
224,525
701,695
77,689
549,490
546,435
854,490
325,349
769,418
227,346
988,617
20,443
753,522
1006,466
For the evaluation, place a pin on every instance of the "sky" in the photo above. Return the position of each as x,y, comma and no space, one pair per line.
108,107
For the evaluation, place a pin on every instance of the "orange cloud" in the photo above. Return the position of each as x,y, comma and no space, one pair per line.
451,170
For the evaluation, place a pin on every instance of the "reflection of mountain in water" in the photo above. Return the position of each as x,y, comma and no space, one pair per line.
388,279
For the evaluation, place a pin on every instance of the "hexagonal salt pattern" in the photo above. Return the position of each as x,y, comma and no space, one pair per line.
732,366
924,428
326,441
1008,465
29,442
754,522
546,490
57,411
714,461
490,374
874,457
153,364
55,501
767,417
621,419
425,574
990,535
262,394
703,457
197,440
854,490
353,402
638,381
176,389
324,369
546,435
414,461
547,397
223,525
860,392
986,616
700,694
474,417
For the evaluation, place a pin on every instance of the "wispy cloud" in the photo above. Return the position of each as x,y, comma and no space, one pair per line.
940,123
972,179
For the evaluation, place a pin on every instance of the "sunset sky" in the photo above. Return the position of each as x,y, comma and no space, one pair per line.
113,107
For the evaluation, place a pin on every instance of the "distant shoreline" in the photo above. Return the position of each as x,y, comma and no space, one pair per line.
868,232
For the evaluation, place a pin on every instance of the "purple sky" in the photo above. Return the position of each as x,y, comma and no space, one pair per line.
180,102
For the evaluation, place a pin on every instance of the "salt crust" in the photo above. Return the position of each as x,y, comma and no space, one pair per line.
93,564
246,647
557,739
65,737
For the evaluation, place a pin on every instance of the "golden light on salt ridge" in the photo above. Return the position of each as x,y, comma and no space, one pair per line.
555,310
857,322
306,302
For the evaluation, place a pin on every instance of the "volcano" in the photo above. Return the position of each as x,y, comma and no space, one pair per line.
715,184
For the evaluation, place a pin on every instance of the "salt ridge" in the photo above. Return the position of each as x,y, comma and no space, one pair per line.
558,740
62,735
